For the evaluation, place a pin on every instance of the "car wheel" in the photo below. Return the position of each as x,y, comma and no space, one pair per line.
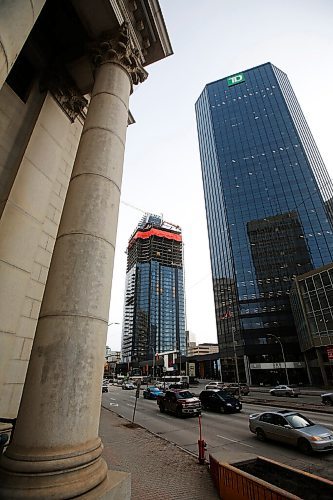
304,446
162,409
222,409
295,395
328,402
261,435
144,396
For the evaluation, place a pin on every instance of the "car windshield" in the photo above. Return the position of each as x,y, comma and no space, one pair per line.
184,395
154,389
224,395
297,421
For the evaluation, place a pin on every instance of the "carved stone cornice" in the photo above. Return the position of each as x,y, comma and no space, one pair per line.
116,47
64,91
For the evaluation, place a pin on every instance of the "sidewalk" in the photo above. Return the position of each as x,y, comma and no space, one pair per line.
159,470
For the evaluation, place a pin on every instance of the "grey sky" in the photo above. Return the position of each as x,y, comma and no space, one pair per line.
212,39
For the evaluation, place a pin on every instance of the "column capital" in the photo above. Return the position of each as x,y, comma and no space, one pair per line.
117,47
64,91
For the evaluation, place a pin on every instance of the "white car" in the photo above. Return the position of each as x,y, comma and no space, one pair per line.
284,390
214,385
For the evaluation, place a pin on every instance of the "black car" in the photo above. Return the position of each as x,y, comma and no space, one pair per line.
327,399
219,400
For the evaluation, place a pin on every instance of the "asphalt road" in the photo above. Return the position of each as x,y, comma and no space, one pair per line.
227,433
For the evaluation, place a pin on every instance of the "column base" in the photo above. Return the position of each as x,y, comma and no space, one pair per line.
58,484
116,486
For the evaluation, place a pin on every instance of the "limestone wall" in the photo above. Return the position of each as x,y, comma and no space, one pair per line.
28,227
17,121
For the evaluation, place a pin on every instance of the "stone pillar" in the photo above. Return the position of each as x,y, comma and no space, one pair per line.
16,21
56,451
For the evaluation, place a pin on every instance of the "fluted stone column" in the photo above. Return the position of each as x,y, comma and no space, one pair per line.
56,451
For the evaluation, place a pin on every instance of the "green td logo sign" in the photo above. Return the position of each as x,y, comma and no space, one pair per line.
233,80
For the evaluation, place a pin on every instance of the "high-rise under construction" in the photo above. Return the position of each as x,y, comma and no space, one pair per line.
154,311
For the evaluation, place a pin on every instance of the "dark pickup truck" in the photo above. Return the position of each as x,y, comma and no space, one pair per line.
180,402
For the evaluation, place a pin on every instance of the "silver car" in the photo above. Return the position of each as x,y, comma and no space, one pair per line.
284,390
291,428
214,385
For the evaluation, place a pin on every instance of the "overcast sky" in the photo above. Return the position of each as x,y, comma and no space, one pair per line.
212,39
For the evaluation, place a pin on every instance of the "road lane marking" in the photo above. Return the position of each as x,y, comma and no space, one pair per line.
113,399
132,406
234,441
114,404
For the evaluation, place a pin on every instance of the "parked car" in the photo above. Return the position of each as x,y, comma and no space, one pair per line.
234,389
152,393
285,390
218,400
327,399
181,403
214,385
128,386
105,386
292,428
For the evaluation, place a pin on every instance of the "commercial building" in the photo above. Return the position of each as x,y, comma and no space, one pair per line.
312,304
265,187
67,70
201,349
154,309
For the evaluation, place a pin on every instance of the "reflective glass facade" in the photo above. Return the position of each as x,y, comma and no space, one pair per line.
154,314
312,304
265,189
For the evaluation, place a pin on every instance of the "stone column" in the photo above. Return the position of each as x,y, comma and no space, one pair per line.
56,451
16,21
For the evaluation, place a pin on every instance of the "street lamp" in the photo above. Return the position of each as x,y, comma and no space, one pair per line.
283,356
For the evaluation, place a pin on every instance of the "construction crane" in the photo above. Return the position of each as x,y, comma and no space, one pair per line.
146,212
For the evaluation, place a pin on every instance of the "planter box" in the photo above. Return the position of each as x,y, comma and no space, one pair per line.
261,479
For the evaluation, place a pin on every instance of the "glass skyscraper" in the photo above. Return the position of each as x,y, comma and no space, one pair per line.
267,195
154,310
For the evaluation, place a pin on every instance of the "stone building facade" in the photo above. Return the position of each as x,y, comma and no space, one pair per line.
67,69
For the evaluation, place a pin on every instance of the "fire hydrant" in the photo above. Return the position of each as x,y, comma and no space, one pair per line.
202,445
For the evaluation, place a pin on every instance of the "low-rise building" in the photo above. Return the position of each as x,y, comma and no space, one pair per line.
200,349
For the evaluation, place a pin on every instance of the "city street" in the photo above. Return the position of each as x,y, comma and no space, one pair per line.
222,432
